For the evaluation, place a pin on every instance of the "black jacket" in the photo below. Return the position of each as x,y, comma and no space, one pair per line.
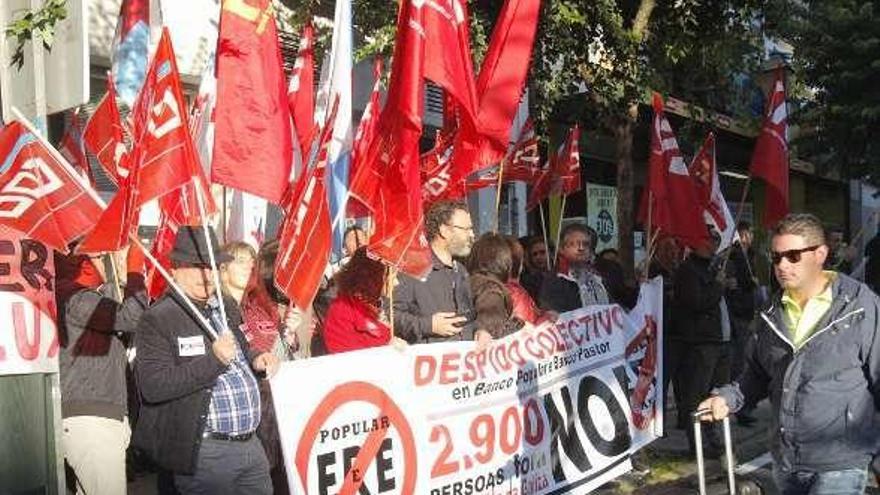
175,390
824,396
697,302
446,289
741,301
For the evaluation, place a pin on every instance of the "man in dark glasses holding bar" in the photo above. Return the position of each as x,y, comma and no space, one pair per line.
816,354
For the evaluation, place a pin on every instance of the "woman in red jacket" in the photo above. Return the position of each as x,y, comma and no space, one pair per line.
356,319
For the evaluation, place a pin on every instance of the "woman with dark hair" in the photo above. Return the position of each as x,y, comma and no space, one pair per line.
524,306
491,265
357,319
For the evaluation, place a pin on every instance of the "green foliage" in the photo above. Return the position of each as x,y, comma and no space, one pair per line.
36,25
837,60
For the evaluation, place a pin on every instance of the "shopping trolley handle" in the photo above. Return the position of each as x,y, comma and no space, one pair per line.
700,413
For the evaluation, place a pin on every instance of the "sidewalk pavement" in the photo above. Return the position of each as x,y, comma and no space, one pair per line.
673,471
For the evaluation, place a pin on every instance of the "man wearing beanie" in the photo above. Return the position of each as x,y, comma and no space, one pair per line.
92,361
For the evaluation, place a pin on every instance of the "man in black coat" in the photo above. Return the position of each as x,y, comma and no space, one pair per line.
698,318
440,308
816,355
201,401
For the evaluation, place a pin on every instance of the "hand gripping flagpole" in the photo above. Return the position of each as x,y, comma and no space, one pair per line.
200,200
68,168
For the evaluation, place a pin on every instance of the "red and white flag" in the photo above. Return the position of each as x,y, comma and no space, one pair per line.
38,195
301,93
71,148
305,242
104,137
541,188
435,169
388,181
522,163
252,116
770,158
704,172
366,132
163,157
670,196
499,88
566,165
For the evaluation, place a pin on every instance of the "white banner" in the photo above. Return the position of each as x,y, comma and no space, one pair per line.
28,339
545,410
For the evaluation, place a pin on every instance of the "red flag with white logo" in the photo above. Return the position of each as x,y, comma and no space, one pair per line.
704,172
163,157
104,136
38,195
675,208
770,158
366,132
567,164
301,92
388,182
499,88
435,169
522,163
305,242
252,116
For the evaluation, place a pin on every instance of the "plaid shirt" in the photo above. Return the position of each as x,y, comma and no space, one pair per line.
235,400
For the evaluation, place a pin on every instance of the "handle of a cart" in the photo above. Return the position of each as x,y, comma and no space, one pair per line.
728,451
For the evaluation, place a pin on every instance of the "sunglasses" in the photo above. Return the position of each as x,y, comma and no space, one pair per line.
792,255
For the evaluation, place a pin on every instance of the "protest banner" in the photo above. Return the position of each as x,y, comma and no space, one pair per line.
28,340
546,410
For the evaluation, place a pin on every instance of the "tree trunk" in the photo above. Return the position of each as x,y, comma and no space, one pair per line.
623,138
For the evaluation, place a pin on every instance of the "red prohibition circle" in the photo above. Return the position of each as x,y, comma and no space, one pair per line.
359,392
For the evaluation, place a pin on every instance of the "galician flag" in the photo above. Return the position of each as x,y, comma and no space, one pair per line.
337,84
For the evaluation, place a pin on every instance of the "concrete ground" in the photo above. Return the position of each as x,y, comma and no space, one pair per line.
672,469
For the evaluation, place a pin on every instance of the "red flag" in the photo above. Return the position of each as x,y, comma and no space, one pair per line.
163,157
435,173
541,189
38,195
499,88
305,242
366,132
105,138
566,165
71,148
704,172
676,209
522,163
252,140
388,182
770,158
301,92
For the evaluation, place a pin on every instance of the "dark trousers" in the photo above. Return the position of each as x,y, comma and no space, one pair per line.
705,367
673,359
226,467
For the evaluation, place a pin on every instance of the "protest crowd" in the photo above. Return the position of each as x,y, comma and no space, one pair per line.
168,345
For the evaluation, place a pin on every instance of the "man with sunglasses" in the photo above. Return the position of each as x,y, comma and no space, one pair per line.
816,355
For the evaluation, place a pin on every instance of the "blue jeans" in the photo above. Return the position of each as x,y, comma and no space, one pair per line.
845,482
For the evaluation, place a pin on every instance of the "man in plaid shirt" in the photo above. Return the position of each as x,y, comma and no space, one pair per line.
201,400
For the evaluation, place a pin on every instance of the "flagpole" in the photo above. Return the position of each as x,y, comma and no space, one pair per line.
559,228
91,192
200,200
389,287
544,231
498,194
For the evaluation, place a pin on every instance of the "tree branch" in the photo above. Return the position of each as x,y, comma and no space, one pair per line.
643,15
